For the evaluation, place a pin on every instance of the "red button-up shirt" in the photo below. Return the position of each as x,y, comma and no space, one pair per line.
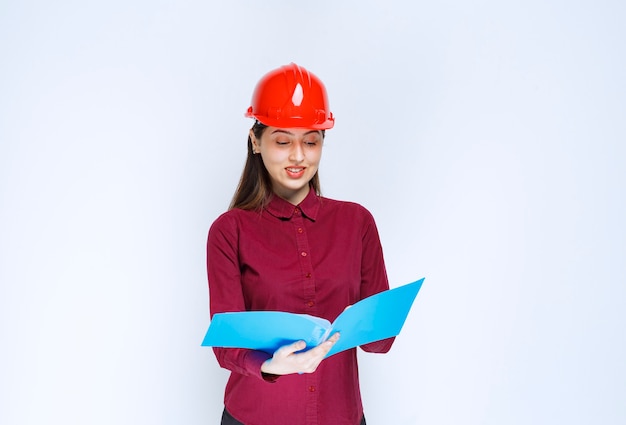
316,258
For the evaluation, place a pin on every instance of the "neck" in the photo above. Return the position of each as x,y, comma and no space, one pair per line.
295,197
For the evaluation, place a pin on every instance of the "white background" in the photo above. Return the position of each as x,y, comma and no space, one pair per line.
487,138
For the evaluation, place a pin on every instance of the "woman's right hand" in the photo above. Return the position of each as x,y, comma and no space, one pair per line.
287,360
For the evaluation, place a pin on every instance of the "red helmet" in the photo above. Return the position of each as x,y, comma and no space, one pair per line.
291,97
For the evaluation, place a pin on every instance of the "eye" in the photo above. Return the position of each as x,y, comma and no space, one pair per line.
282,142
311,143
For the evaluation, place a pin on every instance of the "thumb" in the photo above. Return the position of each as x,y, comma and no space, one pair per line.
286,350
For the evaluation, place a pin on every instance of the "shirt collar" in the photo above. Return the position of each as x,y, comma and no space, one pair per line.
280,208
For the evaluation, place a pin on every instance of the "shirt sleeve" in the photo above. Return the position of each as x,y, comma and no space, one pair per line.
373,275
226,294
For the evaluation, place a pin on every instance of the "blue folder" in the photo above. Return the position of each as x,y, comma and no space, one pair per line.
371,319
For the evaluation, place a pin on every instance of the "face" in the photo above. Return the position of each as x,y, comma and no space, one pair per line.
291,157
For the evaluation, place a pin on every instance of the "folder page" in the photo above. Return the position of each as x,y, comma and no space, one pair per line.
374,318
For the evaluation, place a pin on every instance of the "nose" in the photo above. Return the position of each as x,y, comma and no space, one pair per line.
297,153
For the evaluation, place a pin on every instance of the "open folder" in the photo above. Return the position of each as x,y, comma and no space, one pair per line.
371,319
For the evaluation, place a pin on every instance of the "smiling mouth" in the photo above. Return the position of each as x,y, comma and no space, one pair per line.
295,172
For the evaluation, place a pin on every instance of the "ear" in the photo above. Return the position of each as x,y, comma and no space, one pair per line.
255,143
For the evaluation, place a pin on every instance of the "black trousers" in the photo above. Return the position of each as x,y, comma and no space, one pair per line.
229,420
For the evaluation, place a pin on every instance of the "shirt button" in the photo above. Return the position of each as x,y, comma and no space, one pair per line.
312,389
310,303
308,275
303,254
300,230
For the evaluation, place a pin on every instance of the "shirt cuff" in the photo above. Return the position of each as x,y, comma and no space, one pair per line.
268,377
254,361
382,346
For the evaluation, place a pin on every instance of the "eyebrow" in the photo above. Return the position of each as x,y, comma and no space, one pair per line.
278,130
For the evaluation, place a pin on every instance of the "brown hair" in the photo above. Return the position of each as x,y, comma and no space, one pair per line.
254,190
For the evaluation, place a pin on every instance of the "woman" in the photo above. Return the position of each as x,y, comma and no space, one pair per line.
283,247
